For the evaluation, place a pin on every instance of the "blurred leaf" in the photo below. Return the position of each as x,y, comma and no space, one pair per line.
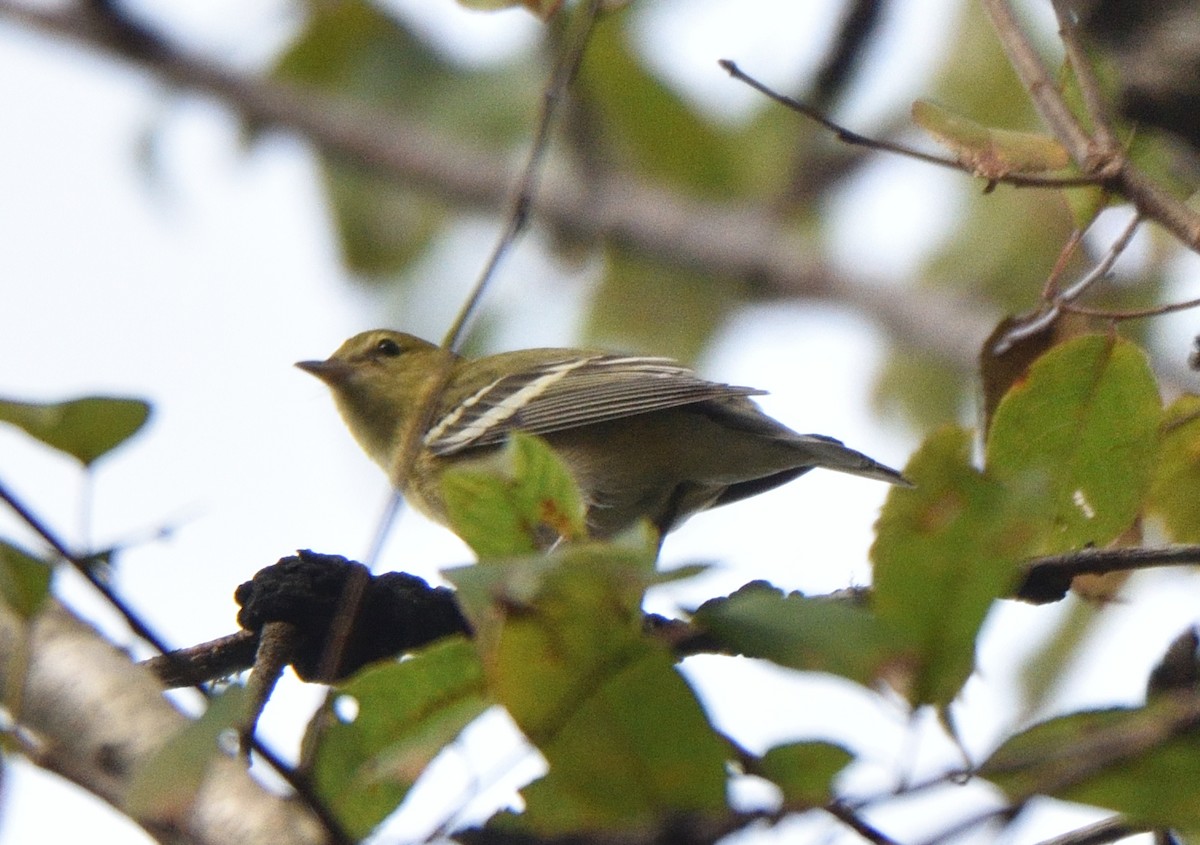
355,50
382,227
647,122
407,712
163,785
84,428
24,580
925,388
1009,271
944,551
822,634
1143,763
1179,669
563,650
976,76
804,771
1175,492
635,294
1078,440
989,152
526,505
1043,670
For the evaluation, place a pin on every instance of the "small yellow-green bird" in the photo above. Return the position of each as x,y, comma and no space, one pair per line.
644,437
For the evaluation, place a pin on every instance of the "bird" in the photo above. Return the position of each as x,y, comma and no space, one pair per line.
643,437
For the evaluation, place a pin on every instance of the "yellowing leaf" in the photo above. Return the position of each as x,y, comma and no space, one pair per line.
990,153
526,504
944,551
562,645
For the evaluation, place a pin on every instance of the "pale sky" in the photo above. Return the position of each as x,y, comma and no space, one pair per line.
198,286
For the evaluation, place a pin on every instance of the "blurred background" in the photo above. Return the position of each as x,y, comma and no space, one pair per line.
160,238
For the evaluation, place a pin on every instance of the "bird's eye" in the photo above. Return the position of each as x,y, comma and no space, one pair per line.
387,347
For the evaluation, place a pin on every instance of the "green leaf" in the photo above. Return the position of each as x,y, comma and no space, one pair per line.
822,634
526,505
989,152
406,714
646,121
634,293
1175,492
803,771
561,640
1078,438
24,580
1143,762
84,428
163,785
944,551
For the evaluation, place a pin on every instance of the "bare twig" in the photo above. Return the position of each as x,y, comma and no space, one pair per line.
1112,829
1060,301
200,664
84,566
1089,85
1047,579
1020,180
276,645
1101,156
1104,267
735,239
1135,313
858,824
1042,89
518,217
95,718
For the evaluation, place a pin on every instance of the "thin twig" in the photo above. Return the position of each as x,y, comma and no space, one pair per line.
518,216
1106,162
1047,579
1085,77
82,564
518,220
1102,269
858,824
1134,313
200,664
849,136
970,823
1036,79
1064,300
1112,829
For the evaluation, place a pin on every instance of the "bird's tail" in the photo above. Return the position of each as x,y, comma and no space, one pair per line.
833,454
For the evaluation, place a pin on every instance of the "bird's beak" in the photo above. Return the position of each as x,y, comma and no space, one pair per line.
331,372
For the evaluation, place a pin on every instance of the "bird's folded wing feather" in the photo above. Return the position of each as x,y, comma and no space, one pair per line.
568,392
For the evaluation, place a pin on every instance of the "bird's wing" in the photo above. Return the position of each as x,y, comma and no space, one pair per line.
570,391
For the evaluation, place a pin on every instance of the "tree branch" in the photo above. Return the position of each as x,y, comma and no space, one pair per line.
732,239
1099,156
1047,579
90,715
